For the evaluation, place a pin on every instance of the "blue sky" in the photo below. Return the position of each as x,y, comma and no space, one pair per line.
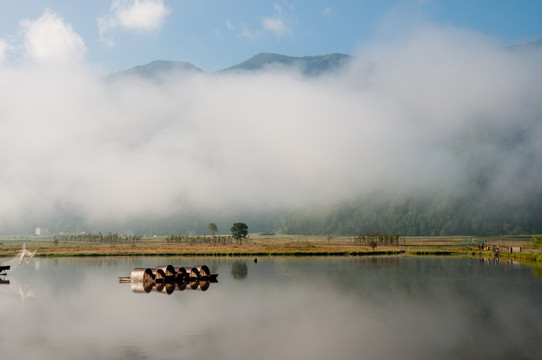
214,34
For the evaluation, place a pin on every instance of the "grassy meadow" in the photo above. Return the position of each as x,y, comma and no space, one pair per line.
265,245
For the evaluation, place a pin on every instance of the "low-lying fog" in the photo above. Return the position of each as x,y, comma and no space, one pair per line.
74,147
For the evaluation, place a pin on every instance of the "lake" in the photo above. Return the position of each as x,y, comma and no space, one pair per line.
277,308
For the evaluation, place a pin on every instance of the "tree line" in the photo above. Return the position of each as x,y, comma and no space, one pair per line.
239,232
199,239
376,238
420,215
109,238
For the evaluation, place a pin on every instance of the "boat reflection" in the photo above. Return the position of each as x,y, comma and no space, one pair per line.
14,288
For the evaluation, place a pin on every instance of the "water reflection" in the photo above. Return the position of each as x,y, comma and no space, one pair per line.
168,287
14,288
291,308
376,263
24,292
239,270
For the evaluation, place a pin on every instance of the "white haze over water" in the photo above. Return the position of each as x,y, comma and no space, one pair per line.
74,144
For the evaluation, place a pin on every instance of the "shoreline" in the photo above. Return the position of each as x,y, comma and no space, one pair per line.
261,247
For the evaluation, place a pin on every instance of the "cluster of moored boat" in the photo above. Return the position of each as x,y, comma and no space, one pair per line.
168,278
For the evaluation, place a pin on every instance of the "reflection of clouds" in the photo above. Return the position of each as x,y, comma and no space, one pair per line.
313,313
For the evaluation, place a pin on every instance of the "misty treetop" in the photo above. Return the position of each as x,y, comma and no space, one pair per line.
212,228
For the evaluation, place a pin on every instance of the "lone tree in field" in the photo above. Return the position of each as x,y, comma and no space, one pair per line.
239,231
212,228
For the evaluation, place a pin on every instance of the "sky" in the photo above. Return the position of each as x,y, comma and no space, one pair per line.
113,35
428,76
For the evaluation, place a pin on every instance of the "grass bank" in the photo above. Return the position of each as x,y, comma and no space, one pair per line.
156,248
272,246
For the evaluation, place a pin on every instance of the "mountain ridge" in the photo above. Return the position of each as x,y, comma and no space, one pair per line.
156,69
307,65
310,65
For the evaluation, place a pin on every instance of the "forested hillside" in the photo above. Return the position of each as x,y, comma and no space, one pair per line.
420,215
499,192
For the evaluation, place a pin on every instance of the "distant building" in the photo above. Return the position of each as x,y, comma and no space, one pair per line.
41,231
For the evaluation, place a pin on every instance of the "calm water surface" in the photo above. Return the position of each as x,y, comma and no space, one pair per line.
278,308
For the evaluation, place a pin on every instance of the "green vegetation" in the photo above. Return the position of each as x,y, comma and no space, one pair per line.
239,231
537,242
487,197
420,214
524,256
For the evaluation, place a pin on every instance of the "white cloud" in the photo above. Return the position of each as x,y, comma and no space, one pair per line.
326,12
3,51
112,150
275,25
139,15
248,33
229,25
50,39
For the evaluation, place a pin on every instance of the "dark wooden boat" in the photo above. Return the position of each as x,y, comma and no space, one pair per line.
4,268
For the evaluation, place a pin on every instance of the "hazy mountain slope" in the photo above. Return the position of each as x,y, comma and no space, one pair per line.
478,205
527,46
156,70
308,65
480,117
